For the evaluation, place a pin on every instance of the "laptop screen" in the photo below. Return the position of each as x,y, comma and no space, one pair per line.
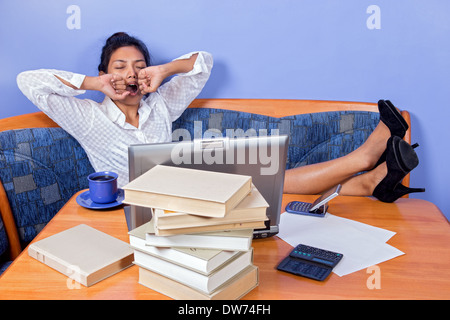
263,158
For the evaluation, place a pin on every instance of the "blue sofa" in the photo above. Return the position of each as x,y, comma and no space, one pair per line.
41,168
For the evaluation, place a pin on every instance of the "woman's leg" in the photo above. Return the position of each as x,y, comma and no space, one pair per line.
364,184
319,177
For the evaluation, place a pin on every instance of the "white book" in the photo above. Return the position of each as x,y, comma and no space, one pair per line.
83,253
252,208
201,260
233,289
192,191
234,240
204,283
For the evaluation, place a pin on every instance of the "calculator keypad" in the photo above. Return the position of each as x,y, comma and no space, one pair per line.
304,269
310,262
315,254
301,206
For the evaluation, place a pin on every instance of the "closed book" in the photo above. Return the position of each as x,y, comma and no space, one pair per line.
233,289
204,283
83,253
201,260
251,209
187,190
234,240
218,227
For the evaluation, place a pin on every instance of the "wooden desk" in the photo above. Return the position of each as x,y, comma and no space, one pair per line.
423,234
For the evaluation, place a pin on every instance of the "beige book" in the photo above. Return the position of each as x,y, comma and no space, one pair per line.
219,227
83,253
202,282
234,289
201,260
234,240
188,190
251,209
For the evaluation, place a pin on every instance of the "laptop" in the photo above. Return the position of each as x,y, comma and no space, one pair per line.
262,157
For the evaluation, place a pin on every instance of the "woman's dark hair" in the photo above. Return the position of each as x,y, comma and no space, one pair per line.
116,41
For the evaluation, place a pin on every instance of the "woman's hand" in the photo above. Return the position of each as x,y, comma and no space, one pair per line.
113,85
150,78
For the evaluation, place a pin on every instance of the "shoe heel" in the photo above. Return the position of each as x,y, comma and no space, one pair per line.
405,155
407,190
403,191
390,196
400,160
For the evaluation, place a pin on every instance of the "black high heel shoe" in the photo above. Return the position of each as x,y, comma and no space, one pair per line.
390,116
400,160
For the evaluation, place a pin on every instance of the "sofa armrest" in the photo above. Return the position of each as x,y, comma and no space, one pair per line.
30,120
9,224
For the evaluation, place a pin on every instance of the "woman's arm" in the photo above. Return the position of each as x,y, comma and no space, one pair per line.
193,71
54,92
112,85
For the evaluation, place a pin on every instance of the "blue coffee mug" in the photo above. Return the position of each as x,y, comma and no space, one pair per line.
103,186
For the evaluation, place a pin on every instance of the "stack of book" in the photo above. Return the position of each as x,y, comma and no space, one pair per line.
198,244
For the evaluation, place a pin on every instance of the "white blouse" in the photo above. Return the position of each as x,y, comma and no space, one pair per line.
100,128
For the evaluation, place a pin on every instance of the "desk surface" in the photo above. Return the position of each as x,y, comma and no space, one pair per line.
423,234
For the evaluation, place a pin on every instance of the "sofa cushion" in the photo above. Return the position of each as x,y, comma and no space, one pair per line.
4,244
4,266
40,168
313,137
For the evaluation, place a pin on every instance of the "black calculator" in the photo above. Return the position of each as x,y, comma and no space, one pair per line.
310,262
305,269
321,256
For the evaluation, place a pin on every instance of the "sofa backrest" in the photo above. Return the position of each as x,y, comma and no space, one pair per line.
313,137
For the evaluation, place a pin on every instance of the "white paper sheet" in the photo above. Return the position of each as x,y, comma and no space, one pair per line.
362,245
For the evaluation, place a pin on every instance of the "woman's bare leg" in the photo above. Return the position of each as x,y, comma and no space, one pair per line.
364,184
319,177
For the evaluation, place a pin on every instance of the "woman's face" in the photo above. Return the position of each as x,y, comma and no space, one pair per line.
127,62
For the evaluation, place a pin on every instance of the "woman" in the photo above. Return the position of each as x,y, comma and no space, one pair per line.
127,115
